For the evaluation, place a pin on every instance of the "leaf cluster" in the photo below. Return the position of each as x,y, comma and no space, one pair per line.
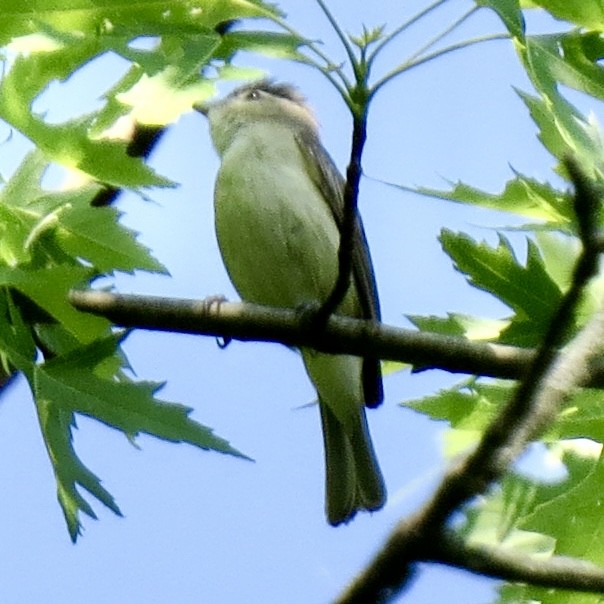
527,513
53,241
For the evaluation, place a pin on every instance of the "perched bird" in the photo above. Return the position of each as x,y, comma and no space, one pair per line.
278,205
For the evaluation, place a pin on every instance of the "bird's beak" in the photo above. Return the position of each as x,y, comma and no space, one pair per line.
202,108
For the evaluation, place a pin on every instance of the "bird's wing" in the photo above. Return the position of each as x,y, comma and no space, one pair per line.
330,183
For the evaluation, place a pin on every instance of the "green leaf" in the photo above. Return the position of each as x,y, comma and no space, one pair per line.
494,521
49,289
163,84
522,195
17,348
539,518
585,13
559,254
24,185
167,82
45,227
528,290
79,383
70,473
103,16
568,513
368,37
467,406
563,130
67,143
582,417
568,58
271,44
95,235
509,12
472,328
578,65
53,241
130,407
15,227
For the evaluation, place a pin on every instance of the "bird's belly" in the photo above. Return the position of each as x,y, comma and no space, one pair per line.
277,236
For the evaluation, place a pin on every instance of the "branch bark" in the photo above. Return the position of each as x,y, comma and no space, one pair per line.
558,572
251,322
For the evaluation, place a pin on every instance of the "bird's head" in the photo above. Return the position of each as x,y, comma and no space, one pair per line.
255,104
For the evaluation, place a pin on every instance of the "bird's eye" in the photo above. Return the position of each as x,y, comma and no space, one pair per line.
253,95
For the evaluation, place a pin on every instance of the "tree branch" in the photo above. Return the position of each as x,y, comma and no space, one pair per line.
349,217
551,379
418,537
251,322
558,572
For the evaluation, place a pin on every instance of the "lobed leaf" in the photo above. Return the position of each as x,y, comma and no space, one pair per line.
528,290
78,383
586,13
509,12
163,83
522,195
56,424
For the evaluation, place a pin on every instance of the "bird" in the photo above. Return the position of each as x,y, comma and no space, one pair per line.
278,209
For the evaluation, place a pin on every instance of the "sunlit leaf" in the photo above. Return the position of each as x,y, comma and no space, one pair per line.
527,289
166,78
509,12
95,235
473,328
522,195
586,13
563,130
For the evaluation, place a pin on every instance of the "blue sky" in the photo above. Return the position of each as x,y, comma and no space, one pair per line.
202,527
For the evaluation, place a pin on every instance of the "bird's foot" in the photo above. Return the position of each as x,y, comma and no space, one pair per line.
312,319
207,304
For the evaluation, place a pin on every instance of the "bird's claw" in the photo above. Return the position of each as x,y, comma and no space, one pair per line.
216,300
311,318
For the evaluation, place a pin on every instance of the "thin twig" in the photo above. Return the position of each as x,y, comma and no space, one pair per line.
328,68
442,35
342,37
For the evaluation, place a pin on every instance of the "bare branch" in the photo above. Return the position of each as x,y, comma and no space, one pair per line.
250,322
502,563
396,562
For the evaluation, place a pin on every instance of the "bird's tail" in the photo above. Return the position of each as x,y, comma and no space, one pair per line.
353,477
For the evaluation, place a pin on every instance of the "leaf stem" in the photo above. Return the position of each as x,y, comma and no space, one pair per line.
401,28
328,68
344,40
